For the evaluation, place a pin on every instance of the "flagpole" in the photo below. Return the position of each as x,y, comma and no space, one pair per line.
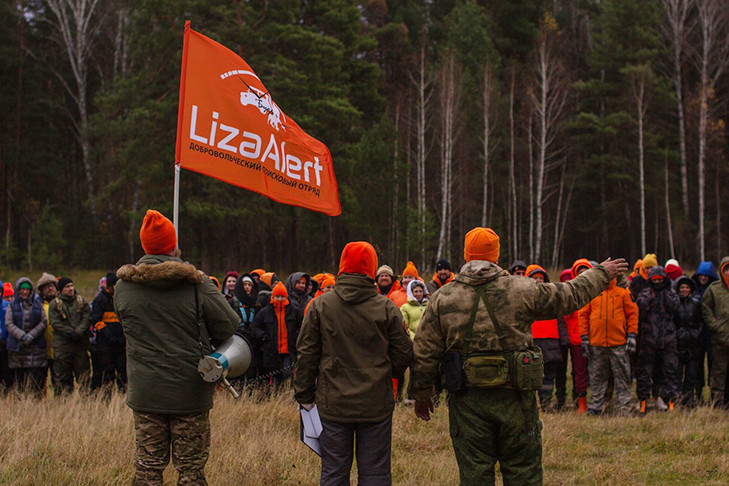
176,204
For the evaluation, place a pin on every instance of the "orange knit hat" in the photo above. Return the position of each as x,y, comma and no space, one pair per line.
258,271
358,257
410,270
481,244
158,234
327,280
279,290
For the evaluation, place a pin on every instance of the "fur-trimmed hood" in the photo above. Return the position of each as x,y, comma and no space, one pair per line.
160,271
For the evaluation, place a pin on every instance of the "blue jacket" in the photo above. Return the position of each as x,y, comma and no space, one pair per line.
3,330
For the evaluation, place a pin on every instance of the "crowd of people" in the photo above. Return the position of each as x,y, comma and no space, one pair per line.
50,331
657,326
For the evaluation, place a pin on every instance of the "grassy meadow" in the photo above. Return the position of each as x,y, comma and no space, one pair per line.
79,440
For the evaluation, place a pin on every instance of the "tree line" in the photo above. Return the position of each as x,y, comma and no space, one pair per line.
572,127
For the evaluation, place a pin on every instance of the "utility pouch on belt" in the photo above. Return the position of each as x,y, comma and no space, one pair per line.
528,369
453,370
484,371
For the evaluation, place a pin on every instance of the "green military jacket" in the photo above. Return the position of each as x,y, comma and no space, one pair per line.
516,303
352,342
155,303
715,307
69,317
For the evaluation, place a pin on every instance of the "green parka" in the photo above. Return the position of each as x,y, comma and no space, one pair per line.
69,317
352,342
516,303
715,307
155,303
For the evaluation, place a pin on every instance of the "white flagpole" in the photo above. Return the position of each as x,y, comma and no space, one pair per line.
176,204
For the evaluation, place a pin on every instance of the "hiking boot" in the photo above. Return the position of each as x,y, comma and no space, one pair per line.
642,408
661,405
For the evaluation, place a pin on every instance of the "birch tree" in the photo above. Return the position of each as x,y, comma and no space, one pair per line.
676,28
712,58
640,77
450,91
488,128
76,24
548,102
423,92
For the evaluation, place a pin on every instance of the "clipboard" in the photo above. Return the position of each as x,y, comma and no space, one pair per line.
310,428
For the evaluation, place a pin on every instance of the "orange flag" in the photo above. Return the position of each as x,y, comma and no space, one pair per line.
229,128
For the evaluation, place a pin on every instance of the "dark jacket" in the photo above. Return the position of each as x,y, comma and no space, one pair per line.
69,317
103,318
688,322
715,308
26,316
707,269
351,344
296,298
657,327
155,302
265,332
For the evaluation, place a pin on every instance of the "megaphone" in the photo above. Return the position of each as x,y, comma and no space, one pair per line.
229,360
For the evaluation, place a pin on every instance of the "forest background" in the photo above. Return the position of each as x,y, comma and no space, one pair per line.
574,128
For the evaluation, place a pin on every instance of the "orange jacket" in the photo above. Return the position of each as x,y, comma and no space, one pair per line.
609,317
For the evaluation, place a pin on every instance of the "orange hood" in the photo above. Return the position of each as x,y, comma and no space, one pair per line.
582,262
358,257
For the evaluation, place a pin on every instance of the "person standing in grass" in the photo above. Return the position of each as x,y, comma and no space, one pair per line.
26,323
170,312
483,320
715,309
609,332
351,344
69,315
657,351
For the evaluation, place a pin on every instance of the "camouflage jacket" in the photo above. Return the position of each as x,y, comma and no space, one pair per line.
516,303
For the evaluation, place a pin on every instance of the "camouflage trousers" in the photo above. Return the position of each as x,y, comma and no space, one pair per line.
69,364
605,363
188,436
718,375
496,425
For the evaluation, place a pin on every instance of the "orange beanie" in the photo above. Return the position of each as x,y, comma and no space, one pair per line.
481,244
327,280
410,270
258,271
157,235
267,278
279,290
358,257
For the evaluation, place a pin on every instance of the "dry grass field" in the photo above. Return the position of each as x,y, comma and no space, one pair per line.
89,441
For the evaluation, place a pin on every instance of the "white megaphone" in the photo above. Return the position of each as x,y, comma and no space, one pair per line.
231,359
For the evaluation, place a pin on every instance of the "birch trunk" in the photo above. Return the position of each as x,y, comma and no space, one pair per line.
512,177
668,210
449,97
676,29
713,61
74,21
487,88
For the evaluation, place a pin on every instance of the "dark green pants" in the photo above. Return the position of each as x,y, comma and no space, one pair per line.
496,425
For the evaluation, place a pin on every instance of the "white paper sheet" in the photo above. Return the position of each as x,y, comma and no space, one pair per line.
311,429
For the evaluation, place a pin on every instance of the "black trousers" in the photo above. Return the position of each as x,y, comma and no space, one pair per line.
372,443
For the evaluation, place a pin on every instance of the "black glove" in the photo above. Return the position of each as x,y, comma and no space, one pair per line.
631,344
586,350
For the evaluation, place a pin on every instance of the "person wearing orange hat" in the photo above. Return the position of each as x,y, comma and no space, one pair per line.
351,344
641,280
400,296
580,370
170,312
275,329
475,326
546,334
257,273
715,310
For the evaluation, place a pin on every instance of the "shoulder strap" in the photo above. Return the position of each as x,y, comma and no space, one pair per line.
199,324
481,296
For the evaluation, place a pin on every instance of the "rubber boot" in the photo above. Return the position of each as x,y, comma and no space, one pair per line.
581,405
670,406
642,408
